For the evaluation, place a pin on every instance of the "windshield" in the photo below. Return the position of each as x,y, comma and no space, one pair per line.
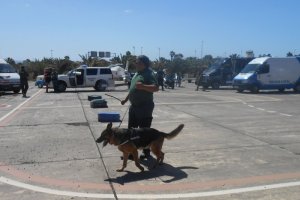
6,68
251,68
212,68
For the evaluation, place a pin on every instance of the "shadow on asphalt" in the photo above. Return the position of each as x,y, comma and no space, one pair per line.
166,172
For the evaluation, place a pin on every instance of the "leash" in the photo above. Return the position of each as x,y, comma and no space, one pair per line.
123,116
113,97
120,101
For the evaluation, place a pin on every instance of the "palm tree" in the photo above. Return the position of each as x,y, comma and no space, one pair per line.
172,54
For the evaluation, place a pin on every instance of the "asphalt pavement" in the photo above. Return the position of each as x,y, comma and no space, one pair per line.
233,146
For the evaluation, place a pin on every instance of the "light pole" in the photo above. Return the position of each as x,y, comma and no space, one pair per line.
51,53
158,53
201,49
133,50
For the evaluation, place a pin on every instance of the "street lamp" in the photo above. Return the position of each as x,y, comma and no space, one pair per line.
158,53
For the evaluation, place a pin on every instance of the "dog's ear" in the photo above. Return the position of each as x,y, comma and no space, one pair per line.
109,126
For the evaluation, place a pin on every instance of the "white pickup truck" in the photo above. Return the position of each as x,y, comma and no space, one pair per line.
100,78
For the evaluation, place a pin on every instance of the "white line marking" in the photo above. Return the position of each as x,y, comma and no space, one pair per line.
19,106
285,114
147,196
260,109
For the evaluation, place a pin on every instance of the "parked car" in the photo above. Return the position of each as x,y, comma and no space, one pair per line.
101,78
9,77
40,82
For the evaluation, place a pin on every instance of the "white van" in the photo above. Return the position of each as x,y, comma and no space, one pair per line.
9,78
100,78
268,73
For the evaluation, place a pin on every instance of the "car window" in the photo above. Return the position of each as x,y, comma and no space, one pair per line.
91,71
105,71
6,68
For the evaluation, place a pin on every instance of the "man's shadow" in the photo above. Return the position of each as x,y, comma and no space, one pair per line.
166,172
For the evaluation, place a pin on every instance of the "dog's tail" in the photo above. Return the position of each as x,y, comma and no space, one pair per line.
175,132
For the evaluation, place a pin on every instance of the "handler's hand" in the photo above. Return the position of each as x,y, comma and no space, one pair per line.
139,85
123,102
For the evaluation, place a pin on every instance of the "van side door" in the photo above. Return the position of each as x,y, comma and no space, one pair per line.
91,76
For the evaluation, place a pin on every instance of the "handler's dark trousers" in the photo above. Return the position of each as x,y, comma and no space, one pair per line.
141,116
24,87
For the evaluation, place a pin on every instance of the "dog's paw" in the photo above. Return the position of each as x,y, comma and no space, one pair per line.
120,170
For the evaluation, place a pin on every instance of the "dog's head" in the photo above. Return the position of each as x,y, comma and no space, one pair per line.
106,135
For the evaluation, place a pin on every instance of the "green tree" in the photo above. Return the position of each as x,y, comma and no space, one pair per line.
172,54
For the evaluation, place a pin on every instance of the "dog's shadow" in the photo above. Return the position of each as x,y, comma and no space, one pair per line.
165,172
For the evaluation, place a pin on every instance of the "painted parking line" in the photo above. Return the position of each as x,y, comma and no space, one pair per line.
147,196
17,108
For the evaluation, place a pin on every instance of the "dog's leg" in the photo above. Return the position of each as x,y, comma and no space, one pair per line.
156,150
135,155
125,158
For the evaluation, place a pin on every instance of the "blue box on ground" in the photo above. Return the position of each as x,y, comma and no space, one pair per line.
98,103
108,117
92,97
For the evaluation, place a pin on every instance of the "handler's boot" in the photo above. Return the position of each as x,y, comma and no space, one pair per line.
146,154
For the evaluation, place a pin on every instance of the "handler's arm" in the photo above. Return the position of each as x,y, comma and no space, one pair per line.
125,100
148,88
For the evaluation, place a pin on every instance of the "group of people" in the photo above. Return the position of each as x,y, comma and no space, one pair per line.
171,79
51,75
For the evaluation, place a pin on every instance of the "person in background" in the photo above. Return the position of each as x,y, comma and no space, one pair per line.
54,79
160,78
47,77
179,78
24,81
140,95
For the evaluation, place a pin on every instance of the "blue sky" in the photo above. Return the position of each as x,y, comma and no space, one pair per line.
32,28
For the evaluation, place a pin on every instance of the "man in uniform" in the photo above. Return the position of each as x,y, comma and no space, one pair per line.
24,81
140,95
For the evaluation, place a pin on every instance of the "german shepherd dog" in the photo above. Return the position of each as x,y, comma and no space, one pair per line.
130,140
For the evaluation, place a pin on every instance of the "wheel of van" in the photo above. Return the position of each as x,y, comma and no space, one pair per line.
297,88
16,91
281,89
254,89
40,85
61,86
215,85
100,85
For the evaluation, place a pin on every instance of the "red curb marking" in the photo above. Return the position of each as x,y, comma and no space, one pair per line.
157,187
4,105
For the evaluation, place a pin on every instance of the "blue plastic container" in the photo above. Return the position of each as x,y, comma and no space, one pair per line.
108,117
